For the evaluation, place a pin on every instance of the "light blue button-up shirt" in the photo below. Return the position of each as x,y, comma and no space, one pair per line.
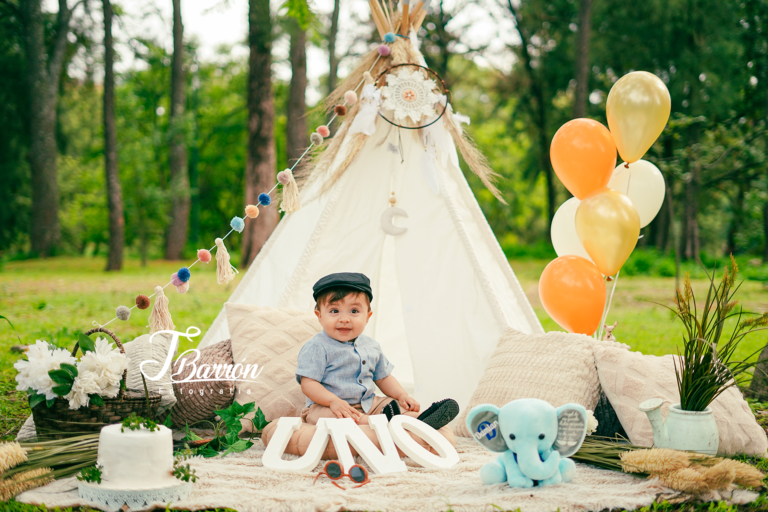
346,369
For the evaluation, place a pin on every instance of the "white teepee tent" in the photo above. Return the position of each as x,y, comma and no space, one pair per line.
443,289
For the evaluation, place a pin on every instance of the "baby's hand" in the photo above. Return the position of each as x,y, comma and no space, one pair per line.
343,410
408,403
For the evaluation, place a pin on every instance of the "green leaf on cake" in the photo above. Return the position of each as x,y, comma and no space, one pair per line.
86,343
70,368
62,390
97,400
259,421
36,399
61,377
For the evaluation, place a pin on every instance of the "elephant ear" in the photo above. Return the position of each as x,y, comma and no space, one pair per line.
571,429
483,423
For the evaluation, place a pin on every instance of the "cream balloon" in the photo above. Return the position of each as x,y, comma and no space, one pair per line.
644,184
563,230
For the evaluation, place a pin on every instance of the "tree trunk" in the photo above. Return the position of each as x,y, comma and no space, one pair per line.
176,237
42,76
765,232
692,240
758,388
333,60
114,192
582,59
296,136
260,163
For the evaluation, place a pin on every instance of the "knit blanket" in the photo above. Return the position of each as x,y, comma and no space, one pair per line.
239,481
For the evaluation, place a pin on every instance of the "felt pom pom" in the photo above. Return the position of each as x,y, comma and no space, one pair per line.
183,287
340,110
389,37
160,318
265,199
238,224
175,281
384,50
123,313
142,301
204,255
283,177
316,139
252,211
350,97
184,274
324,131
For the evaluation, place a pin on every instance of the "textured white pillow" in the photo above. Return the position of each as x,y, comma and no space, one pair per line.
140,350
556,367
630,378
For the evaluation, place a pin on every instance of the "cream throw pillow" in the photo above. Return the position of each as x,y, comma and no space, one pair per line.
140,350
630,378
271,338
556,367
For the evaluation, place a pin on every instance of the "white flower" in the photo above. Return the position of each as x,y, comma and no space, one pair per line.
592,423
107,364
85,384
33,373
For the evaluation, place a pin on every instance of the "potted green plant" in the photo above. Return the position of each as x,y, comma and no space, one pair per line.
707,365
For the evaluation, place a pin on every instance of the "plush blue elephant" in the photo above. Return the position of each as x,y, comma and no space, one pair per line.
533,438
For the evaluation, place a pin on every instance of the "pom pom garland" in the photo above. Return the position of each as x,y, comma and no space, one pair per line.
384,50
324,131
123,313
316,139
350,97
160,318
183,287
204,255
175,281
252,211
238,224
265,199
291,202
389,37
340,110
283,177
184,274
142,301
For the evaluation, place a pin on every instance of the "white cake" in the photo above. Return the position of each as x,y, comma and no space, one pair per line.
136,459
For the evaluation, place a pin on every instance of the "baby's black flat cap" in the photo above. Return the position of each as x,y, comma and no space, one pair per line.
353,280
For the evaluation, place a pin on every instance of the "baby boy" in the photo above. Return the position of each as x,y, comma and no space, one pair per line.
337,369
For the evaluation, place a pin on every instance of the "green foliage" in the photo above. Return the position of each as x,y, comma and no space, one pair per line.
706,368
135,422
184,472
229,442
300,11
85,343
90,474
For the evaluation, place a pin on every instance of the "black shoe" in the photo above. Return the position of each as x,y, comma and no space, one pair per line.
391,410
439,414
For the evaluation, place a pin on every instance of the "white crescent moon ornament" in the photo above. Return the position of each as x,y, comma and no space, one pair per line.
386,221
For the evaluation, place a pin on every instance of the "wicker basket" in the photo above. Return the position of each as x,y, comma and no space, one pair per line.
60,421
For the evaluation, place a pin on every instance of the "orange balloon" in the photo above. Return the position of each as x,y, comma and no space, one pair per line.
583,155
572,292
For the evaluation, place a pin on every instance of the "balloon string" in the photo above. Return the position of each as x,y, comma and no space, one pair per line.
608,307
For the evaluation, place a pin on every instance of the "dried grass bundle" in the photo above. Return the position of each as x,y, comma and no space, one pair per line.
11,454
23,482
685,480
656,460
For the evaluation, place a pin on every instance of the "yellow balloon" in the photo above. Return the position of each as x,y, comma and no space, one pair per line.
638,108
608,226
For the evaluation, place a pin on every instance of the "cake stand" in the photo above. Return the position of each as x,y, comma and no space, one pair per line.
114,499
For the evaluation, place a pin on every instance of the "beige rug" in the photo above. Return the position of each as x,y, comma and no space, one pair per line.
240,482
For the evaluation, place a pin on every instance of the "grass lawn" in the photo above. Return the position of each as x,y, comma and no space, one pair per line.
54,299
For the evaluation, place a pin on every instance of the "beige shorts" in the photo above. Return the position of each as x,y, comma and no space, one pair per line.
315,411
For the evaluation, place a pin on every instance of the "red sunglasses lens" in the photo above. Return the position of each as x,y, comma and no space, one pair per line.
333,469
357,474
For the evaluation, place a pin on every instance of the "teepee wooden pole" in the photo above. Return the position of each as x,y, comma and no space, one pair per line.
376,19
415,11
404,20
417,25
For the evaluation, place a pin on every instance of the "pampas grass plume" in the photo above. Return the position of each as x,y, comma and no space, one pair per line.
685,480
11,454
655,460
744,474
719,476
24,482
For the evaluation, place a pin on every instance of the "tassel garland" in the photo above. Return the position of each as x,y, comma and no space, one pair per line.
160,318
291,201
225,272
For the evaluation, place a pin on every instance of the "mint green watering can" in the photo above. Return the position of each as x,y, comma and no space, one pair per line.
694,431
